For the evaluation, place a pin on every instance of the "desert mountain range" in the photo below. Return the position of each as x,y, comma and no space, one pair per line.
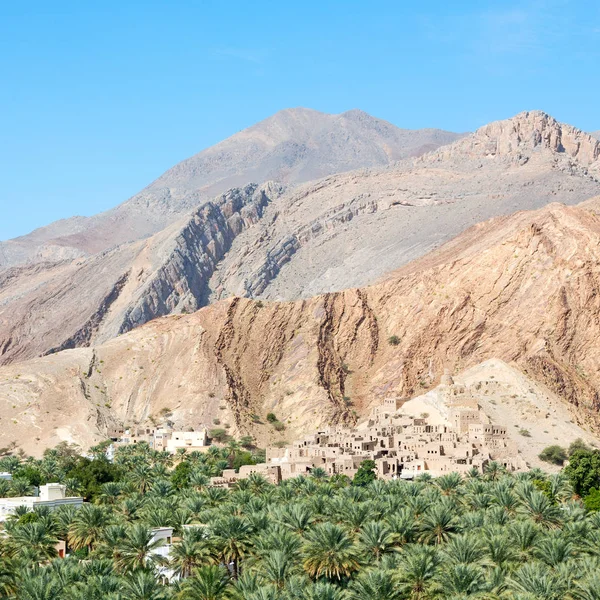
521,289
304,282
277,240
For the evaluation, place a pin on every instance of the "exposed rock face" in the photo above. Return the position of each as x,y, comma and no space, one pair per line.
523,289
350,229
342,231
292,146
596,134
516,139
45,308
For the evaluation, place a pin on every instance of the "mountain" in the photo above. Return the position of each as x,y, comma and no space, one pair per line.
349,229
596,134
521,289
342,231
292,146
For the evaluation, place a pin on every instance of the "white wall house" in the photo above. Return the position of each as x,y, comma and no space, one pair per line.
51,495
190,440
164,535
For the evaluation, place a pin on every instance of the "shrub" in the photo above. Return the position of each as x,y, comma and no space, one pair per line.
525,432
218,434
365,474
272,418
554,455
576,445
217,421
247,441
278,426
592,500
393,340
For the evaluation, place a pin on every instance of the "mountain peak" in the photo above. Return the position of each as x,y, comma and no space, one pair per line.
520,137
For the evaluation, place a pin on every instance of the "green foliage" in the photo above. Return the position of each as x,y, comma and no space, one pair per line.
365,474
480,535
525,432
243,458
91,474
592,500
555,455
218,434
394,340
272,418
576,445
180,478
583,471
278,426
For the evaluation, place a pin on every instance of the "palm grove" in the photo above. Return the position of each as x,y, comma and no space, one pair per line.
490,535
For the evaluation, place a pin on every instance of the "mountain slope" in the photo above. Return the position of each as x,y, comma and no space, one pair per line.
524,289
292,146
341,231
350,229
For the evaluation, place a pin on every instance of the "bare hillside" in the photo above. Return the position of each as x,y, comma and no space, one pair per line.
292,146
522,289
263,242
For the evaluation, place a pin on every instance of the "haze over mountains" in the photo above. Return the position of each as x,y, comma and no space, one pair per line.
292,146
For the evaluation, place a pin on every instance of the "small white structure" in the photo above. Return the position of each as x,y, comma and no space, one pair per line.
51,495
189,440
6,476
164,535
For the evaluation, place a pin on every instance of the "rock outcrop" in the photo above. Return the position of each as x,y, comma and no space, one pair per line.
45,308
290,147
524,289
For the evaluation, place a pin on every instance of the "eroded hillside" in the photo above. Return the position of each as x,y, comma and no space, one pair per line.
523,289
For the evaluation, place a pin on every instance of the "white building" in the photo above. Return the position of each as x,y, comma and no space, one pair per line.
6,476
51,495
164,535
189,440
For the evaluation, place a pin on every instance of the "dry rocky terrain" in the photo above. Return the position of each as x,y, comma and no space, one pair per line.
272,242
522,289
291,147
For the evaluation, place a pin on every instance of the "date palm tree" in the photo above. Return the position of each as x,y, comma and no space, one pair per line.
210,582
232,539
375,539
35,540
417,570
330,552
38,584
437,524
87,526
189,554
137,550
142,585
375,584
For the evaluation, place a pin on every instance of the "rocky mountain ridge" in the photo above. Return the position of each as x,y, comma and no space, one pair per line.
522,289
349,229
290,147
267,242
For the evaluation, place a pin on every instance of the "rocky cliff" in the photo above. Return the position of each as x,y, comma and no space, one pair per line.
45,308
290,147
523,289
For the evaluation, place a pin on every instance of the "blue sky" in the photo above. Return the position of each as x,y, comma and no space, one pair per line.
97,99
